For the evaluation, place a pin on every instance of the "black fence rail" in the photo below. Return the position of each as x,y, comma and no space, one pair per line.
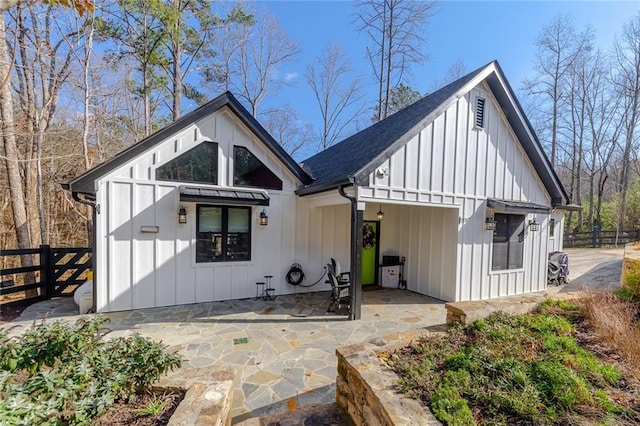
53,272
604,238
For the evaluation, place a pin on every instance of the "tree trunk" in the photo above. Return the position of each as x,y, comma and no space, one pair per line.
16,191
176,50
87,116
389,67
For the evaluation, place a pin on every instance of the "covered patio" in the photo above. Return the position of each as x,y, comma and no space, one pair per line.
282,351
418,239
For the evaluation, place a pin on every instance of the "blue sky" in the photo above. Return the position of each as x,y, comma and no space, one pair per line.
474,32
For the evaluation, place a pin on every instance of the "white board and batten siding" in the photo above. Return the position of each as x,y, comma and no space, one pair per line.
137,269
450,163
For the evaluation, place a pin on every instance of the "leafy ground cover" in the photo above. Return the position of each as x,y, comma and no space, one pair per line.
66,374
529,369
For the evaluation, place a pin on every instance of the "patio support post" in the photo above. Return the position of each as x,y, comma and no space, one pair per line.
355,289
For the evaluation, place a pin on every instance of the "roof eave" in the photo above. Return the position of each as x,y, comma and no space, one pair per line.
315,189
524,130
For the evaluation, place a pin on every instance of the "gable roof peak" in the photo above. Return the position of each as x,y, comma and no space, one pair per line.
344,160
353,159
85,182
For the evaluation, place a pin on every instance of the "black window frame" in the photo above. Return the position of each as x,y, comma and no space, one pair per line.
510,234
225,257
236,177
214,163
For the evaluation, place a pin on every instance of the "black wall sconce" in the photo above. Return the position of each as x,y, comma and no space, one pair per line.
534,225
489,224
380,213
182,215
263,219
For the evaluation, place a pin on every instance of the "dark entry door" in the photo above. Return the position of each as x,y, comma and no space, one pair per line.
370,252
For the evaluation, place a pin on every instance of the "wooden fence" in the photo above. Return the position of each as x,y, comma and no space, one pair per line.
54,272
604,238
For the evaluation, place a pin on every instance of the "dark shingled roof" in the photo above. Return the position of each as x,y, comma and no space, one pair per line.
351,161
346,158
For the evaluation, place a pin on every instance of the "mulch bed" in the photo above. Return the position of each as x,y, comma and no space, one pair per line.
8,314
125,414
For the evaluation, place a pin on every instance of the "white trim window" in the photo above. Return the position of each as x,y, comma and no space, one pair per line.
508,242
223,234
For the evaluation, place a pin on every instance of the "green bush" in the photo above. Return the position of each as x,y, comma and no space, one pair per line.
630,289
66,374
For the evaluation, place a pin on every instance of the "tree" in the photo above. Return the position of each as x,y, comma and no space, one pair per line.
601,107
456,70
627,85
136,31
285,127
44,49
395,29
558,47
337,96
11,153
402,96
265,48
8,135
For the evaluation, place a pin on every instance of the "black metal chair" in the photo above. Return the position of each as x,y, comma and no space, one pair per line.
339,290
341,276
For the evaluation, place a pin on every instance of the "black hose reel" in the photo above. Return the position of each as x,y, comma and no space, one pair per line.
295,276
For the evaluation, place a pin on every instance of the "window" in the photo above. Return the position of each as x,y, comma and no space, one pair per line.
223,234
199,164
479,123
249,171
508,242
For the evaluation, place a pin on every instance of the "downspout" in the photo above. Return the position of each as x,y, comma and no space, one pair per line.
355,288
94,207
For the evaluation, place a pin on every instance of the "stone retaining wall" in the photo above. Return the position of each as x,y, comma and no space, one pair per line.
366,387
467,312
207,400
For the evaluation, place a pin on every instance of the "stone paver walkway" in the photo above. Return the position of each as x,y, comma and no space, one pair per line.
283,351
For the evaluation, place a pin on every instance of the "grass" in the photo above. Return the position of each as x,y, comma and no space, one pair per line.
527,369
154,406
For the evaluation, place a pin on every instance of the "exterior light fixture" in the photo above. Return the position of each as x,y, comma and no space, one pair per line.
380,213
182,215
534,225
552,227
489,223
264,219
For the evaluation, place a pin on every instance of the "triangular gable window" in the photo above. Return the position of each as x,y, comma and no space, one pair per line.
199,164
251,172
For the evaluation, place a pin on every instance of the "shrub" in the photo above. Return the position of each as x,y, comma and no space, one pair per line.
60,373
630,288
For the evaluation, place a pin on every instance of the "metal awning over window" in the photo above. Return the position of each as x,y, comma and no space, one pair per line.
512,206
223,196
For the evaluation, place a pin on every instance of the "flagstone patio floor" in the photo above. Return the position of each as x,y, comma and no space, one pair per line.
283,351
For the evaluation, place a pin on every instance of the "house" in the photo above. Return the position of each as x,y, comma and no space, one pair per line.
457,184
